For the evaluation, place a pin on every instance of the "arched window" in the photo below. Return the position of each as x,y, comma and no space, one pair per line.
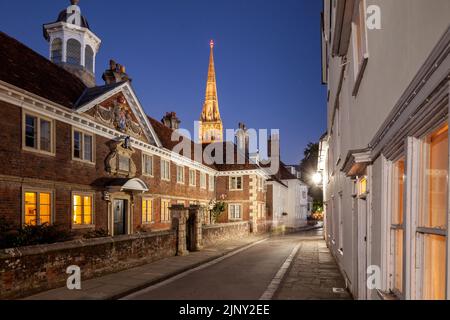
89,59
73,52
56,51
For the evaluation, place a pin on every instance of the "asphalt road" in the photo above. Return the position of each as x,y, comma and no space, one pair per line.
244,276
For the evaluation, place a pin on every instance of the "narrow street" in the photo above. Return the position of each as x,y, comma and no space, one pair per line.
256,273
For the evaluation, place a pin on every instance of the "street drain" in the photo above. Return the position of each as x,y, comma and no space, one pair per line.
338,290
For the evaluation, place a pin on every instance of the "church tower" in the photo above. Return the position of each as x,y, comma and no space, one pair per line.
211,127
73,45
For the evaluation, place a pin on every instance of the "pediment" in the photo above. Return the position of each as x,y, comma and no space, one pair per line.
120,110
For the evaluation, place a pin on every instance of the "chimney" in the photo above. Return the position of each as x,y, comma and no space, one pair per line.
171,120
115,74
274,138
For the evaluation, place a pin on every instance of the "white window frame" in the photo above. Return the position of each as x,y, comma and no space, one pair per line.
83,194
235,188
211,183
165,174
152,220
359,66
83,134
193,172
180,175
39,191
146,156
38,133
202,180
232,206
167,201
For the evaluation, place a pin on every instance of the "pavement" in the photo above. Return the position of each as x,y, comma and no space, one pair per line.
288,267
313,274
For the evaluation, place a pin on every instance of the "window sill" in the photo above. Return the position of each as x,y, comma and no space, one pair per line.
39,152
84,226
147,175
360,75
84,162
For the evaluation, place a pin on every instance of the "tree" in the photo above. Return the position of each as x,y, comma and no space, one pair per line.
308,167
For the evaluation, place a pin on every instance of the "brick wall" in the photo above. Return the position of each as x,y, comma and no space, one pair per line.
227,231
29,270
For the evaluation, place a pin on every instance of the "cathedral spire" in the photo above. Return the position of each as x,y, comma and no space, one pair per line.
211,128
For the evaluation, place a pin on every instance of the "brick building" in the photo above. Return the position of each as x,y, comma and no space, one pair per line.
88,157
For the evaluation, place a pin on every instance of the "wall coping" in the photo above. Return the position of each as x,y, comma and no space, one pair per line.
224,225
60,246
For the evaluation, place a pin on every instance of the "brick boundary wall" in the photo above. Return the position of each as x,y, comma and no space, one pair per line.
213,234
28,270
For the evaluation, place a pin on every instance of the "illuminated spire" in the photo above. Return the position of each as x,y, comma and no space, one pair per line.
210,110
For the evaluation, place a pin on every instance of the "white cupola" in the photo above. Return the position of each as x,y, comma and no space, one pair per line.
73,45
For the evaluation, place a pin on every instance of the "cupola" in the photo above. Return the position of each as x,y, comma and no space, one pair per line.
73,45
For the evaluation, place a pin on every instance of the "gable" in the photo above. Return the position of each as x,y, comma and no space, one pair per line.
118,108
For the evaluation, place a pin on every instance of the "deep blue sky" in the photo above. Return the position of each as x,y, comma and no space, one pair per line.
267,57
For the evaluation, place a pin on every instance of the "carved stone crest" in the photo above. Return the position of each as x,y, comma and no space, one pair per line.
119,161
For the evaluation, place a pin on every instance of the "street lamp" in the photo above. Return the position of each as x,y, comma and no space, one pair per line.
317,178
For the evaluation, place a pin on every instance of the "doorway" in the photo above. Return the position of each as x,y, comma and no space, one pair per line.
120,217
362,248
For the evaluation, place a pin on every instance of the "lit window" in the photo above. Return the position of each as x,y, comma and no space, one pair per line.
83,209
235,183
235,212
37,207
147,211
397,224
432,229
83,146
165,170
180,174
362,186
38,134
165,211
202,180
192,178
147,165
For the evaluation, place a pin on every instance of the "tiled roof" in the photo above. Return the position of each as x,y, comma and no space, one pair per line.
93,93
28,70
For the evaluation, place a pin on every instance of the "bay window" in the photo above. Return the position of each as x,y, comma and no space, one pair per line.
397,226
431,232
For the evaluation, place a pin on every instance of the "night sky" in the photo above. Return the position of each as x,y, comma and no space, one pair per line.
267,57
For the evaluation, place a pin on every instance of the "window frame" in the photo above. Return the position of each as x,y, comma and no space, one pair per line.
194,184
168,202
359,67
38,149
144,171
180,169
83,194
232,188
38,191
203,180
163,162
83,134
152,214
235,205
211,186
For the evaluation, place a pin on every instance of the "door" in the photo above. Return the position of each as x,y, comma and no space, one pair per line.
120,216
362,249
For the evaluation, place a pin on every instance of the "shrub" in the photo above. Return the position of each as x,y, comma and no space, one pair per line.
12,236
94,234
